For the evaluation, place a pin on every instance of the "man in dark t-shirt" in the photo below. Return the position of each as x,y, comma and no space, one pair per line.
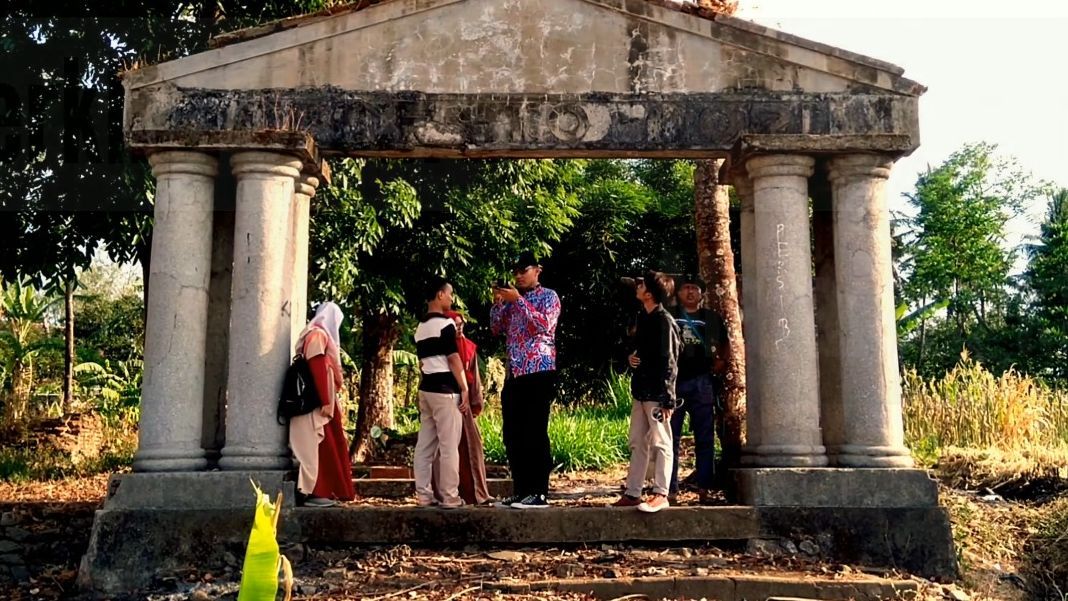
704,344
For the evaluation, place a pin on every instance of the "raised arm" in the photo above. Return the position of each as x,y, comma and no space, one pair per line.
542,318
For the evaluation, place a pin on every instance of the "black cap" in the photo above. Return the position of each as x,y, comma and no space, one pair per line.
525,259
690,278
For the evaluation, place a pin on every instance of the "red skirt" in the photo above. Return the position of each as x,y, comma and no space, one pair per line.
335,469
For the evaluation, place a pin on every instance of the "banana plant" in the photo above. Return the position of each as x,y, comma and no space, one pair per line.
263,560
23,336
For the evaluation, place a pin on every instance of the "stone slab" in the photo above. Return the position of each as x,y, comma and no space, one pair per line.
488,525
917,540
398,488
722,588
417,124
195,490
764,587
128,547
836,487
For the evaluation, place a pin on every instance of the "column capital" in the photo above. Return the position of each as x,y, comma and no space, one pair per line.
191,162
260,163
306,184
772,165
873,166
743,186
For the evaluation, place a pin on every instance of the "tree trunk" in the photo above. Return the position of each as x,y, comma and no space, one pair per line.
716,263
68,355
380,333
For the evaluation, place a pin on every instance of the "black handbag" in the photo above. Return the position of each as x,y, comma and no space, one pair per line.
299,395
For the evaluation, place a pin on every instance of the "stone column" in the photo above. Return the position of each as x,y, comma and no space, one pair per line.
260,315
171,424
744,188
871,388
825,298
785,332
305,189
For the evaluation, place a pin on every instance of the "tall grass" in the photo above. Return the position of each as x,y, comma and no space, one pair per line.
587,436
971,407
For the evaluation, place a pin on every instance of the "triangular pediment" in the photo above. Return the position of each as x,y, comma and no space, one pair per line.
525,46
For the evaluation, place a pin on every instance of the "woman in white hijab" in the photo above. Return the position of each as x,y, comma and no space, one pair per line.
318,438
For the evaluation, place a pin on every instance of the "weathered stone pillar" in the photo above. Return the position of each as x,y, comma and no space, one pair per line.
744,188
171,424
825,298
260,315
785,331
871,388
305,189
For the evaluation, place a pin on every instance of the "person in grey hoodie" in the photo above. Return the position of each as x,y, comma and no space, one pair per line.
655,363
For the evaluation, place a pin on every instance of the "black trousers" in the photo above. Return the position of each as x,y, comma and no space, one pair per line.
525,403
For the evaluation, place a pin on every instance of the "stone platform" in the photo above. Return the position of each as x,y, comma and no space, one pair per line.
151,525
399,488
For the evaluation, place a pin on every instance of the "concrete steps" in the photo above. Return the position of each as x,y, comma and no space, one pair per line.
170,521
366,525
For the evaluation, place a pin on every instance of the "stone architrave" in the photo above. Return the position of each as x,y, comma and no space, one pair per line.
305,186
261,313
871,389
171,423
744,188
785,332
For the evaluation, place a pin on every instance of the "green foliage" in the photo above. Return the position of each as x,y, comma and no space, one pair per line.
952,253
115,390
634,215
1047,276
109,329
386,226
23,337
68,184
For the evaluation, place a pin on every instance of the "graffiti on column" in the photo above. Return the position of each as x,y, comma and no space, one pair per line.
781,254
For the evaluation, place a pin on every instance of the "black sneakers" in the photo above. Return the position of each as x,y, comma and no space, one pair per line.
508,501
532,502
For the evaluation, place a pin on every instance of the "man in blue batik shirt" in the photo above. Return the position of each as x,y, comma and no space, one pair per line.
526,315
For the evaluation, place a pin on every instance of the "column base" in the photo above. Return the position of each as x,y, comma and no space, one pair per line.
253,460
787,456
835,487
169,460
196,490
870,456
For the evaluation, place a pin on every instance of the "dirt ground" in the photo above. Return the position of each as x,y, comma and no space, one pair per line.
53,522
